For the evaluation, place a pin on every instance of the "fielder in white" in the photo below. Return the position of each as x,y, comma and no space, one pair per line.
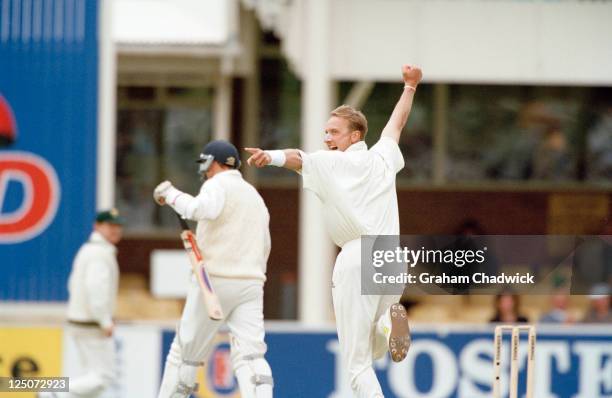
234,238
92,289
357,188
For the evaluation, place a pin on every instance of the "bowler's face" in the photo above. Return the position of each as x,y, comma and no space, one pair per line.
338,135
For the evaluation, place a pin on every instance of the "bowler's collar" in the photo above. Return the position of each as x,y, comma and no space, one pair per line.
358,146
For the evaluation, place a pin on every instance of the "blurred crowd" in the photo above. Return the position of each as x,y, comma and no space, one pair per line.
507,308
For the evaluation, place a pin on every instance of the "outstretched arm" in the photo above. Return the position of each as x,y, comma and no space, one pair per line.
412,76
207,205
288,158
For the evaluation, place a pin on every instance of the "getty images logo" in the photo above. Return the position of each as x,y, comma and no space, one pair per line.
29,187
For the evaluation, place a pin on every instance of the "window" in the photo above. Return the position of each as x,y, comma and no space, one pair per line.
526,134
160,132
416,139
280,112
523,133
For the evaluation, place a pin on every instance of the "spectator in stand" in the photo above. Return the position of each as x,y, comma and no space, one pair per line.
599,148
551,158
600,311
507,309
558,312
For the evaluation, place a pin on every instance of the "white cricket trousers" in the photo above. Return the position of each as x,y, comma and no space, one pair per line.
242,304
98,361
356,320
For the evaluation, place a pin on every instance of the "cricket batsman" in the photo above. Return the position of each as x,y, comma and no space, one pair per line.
233,235
356,186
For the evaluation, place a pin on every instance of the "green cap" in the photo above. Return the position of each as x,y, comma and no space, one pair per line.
110,216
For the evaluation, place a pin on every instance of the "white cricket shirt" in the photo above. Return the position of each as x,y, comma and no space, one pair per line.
357,188
94,282
233,227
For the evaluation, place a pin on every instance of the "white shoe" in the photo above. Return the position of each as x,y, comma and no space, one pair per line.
397,331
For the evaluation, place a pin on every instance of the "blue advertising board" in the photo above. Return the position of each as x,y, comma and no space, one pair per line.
48,134
443,362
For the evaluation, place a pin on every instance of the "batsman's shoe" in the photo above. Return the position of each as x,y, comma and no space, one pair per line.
397,331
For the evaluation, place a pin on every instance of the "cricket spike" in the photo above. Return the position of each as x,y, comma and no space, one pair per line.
183,223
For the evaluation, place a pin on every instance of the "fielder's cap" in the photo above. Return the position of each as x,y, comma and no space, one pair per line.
111,216
222,152
600,290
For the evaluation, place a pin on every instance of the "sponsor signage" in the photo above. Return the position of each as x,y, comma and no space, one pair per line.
444,361
48,135
30,352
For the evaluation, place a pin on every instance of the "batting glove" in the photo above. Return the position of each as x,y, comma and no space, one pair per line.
165,193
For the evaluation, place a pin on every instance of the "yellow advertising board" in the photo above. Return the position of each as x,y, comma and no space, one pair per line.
30,352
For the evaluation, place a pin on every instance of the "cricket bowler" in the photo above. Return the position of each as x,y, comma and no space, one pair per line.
356,186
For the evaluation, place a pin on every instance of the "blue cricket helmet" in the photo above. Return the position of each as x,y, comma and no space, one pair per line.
220,151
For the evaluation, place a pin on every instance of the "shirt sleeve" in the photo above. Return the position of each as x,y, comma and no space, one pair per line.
316,171
390,152
98,282
206,206
267,245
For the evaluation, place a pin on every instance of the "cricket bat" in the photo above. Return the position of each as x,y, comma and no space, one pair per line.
213,307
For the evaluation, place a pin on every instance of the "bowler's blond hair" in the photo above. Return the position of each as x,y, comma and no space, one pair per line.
357,120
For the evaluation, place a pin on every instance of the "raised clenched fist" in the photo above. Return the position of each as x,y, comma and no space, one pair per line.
160,192
412,75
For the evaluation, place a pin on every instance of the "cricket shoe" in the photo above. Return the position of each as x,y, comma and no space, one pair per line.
396,329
